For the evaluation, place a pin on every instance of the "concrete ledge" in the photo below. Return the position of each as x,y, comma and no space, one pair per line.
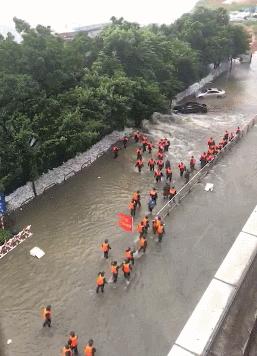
206,317
238,260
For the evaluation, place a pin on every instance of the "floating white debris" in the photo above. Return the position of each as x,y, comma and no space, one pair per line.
99,177
209,187
36,252
9,341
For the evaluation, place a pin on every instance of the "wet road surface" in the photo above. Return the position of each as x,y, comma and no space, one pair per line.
71,220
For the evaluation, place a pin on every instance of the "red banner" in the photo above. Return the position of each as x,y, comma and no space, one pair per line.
125,222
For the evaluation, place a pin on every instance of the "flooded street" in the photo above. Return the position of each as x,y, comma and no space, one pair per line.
71,220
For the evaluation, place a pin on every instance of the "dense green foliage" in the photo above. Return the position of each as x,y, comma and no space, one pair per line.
57,98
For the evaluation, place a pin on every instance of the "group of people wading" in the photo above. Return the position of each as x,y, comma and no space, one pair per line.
161,169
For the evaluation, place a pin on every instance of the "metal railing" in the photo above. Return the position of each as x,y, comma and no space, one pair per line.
27,201
50,186
183,192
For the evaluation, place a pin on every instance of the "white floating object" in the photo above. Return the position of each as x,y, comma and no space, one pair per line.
99,177
37,252
9,341
209,187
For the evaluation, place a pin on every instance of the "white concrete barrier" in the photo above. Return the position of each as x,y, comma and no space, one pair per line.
204,322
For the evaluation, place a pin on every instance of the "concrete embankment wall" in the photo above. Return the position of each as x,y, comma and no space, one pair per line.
208,315
57,175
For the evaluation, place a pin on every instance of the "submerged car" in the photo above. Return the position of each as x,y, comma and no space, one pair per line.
190,107
211,92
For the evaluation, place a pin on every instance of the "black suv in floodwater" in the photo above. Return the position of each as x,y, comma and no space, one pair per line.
190,107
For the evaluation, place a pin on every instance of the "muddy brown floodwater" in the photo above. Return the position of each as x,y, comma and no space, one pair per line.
70,221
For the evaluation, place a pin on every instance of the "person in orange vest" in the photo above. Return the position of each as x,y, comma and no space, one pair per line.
139,153
158,175
136,136
153,194
192,163
168,174
166,145
203,159
211,142
100,282
89,349
160,164
172,192
160,147
115,151
125,141
66,351
47,314
167,163
166,189
146,224
209,158
106,248
155,224
226,135
160,231
181,168
187,175
149,147
141,228
115,271
144,143
129,255
151,164
142,244
73,342
160,155
132,207
136,197
231,136
238,131
126,268
139,164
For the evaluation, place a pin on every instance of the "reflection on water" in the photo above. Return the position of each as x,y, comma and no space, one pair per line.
69,223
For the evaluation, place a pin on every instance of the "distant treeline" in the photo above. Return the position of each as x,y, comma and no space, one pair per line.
58,98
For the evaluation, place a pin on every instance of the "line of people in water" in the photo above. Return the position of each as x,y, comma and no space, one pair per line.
156,166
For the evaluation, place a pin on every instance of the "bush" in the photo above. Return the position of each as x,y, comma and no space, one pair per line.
4,235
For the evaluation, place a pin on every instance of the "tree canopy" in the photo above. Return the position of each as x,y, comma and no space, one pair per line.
59,97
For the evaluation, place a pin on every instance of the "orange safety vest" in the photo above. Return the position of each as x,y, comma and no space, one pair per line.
160,229
88,350
128,254
105,247
114,269
173,191
131,206
47,313
168,170
151,162
135,196
192,161
126,267
145,221
157,173
181,166
74,341
100,280
140,228
142,242
153,193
